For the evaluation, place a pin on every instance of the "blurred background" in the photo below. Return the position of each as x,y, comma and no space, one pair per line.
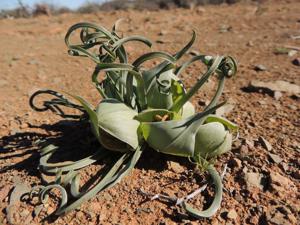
27,8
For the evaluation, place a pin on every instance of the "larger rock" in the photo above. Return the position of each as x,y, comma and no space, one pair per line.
281,183
253,180
280,215
265,143
278,85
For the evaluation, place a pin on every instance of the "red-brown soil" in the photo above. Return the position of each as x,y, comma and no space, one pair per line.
33,56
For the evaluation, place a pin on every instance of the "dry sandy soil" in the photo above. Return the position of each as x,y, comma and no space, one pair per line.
261,185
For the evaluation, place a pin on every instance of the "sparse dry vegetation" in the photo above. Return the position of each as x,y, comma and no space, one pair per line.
23,11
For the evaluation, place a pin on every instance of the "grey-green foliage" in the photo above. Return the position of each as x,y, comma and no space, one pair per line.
140,107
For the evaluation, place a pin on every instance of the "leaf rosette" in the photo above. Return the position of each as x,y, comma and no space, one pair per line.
140,107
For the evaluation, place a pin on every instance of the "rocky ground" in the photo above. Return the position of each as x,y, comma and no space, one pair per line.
261,185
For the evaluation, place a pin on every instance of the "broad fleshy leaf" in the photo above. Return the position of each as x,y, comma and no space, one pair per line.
187,137
118,130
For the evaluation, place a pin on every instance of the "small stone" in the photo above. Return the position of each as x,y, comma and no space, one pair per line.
232,214
272,86
296,62
175,167
277,95
162,33
33,62
107,197
235,163
194,52
265,143
160,41
225,28
16,58
260,67
200,10
281,183
285,166
24,213
250,44
275,158
249,143
292,107
244,150
280,216
262,102
291,53
237,143
80,215
253,180
272,120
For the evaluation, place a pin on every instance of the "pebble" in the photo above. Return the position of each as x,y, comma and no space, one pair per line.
250,44
194,52
244,150
281,183
16,58
292,107
24,213
225,28
107,197
160,42
280,216
253,180
33,62
265,143
291,53
285,166
277,95
249,143
275,85
235,163
275,158
200,10
260,67
232,214
162,33
296,62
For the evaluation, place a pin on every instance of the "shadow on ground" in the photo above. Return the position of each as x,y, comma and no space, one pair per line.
75,142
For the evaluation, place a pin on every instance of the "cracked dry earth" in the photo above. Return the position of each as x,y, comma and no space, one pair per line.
261,185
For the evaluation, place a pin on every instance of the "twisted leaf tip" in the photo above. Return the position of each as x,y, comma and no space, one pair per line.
140,107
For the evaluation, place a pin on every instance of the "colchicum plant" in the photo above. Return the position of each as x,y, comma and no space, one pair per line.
140,108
